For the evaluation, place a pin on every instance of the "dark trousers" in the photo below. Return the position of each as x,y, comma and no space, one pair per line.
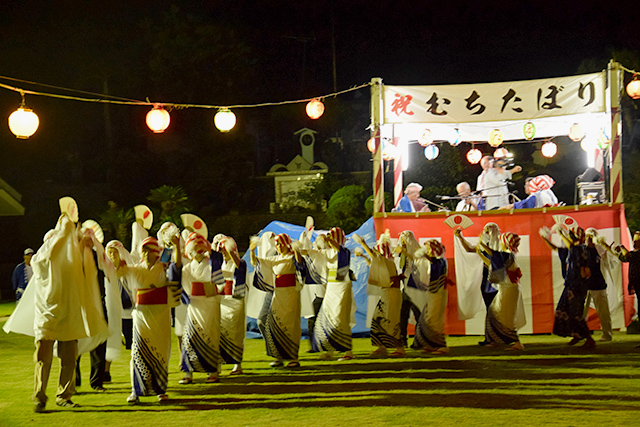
98,361
127,332
485,286
311,322
405,310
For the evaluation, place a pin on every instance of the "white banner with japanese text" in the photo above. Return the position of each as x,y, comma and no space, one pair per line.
486,102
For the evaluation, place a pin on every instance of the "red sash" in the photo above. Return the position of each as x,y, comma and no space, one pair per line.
285,280
228,288
395,281
151,296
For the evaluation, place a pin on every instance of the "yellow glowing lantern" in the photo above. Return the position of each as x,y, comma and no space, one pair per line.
633,88
315,108
588,144
496,137
576,133
473,156
23,122
224,120
426,138
158,119
549,149
389,151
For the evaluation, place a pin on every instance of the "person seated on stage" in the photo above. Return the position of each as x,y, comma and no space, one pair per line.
539,191
468,202
496,191
411,201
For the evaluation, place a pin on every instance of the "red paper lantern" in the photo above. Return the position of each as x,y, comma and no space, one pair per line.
633,88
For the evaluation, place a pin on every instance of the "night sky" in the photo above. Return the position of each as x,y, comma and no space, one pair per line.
259,51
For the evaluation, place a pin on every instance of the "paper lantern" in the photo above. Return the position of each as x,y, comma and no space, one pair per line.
389,151
371,145
500,153
426,138
158,119
603,139
473,156
315,108
575,132
431,152
549,149
455,138
633,88
495,137
588,144
23,122
529,131
224,120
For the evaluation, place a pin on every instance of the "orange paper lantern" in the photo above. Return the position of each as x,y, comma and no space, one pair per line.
633,88
315,108
158,119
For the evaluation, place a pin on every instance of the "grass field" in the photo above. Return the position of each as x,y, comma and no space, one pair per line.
547,384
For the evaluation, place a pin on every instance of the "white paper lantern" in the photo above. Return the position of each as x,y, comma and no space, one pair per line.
23,122
431,152
158,119
549,149
224,120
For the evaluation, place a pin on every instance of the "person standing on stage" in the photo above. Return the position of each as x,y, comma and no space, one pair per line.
496,191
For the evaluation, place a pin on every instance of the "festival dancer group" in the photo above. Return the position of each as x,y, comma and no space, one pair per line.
210,279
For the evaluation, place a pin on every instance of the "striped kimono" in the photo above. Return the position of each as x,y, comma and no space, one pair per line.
151,328
201,336
332,330
430,326
233,325
282,331
505,314
385,320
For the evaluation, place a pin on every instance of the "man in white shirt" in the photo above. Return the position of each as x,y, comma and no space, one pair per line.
467,202
496,191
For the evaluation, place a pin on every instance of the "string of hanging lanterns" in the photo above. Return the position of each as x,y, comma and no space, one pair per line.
24,122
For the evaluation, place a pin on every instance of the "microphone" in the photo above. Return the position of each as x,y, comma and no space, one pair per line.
444,197
511,183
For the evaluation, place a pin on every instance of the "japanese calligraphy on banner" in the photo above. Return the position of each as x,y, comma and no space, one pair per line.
529,99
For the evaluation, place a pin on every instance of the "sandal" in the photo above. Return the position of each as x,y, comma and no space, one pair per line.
67,403
185,380
293,364
212,380
276,364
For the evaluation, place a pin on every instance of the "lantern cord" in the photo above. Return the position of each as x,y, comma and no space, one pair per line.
125,101
634,72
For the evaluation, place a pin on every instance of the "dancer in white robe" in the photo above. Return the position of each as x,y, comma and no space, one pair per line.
413,296
432,273
332,329
232,291
60,304
383,275
151,320
505,314
282,328
200,348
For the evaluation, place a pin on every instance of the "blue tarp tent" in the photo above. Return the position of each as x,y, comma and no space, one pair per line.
358,265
